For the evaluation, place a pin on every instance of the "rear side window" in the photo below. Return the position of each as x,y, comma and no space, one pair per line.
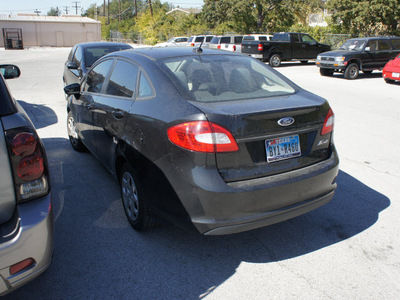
215,40
384,45
396,43
295,38
123,79
262,38
145,87
97,76
238,39
225,40
214,78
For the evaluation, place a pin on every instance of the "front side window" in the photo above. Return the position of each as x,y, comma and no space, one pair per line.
123,79
396,43
96,77
214,78
78,56
373,45
356,45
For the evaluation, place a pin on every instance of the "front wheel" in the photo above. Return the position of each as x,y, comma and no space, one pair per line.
351,71
275,60
74,139
326,72
134,199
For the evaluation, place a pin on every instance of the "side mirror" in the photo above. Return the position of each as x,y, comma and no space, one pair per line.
367,49
10,71
72,89
72,66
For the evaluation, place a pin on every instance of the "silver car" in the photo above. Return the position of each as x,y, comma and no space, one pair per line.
26,216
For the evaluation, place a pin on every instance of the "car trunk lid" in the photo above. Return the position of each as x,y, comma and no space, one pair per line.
254,124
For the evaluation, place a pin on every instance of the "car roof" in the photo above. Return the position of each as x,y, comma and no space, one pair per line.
376,38
156,53
101,44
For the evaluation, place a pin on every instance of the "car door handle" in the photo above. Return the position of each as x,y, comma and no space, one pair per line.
118,114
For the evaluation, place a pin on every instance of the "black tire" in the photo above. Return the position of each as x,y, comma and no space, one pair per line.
390,81
326,72
74,139
304,62
367,72
134,199
275,60
352,71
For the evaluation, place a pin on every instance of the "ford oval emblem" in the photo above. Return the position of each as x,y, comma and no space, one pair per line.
287,121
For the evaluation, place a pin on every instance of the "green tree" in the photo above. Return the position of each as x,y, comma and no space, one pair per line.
54,12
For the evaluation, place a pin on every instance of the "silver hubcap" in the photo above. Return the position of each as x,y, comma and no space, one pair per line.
353,71
275,60
130,196
71,127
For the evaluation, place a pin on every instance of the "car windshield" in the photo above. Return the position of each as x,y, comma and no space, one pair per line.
214,78
93,54
356,45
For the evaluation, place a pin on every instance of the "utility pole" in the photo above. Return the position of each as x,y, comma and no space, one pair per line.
66,10
37,12
108,12
104,8
76,6
135,8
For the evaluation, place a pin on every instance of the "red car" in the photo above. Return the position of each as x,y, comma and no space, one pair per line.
391,71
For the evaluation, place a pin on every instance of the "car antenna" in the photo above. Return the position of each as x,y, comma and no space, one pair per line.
199,50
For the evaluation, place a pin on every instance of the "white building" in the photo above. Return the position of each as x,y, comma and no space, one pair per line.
63,31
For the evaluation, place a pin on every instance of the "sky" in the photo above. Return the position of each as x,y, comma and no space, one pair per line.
28,6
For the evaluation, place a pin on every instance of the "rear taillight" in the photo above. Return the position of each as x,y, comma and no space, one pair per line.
234,48
28,163
22,265
328,123
192,44
202,136
260,47
219,47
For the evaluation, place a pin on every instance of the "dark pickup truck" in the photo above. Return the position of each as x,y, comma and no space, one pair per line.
365,54
284,46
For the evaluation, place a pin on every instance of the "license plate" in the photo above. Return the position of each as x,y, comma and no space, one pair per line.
283,148
397,75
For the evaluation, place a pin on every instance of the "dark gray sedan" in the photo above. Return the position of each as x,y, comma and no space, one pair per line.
82,56
214,141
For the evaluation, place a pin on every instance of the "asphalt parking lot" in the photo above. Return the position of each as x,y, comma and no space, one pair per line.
347,249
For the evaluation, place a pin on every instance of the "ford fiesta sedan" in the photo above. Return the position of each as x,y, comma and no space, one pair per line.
214,141
26,215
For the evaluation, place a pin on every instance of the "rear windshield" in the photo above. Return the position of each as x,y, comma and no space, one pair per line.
214,78
215,40
93,54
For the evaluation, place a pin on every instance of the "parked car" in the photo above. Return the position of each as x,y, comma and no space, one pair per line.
205,138
26,216
174,42
360,54
83,56
391,71
231,43
196,40
284,46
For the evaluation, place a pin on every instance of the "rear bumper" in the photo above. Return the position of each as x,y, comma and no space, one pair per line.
33,240
391,75
217,208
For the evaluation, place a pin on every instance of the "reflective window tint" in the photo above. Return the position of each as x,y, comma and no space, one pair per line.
123,79
96,77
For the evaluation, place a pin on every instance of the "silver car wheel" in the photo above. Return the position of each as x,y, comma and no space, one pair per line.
130,196
71,127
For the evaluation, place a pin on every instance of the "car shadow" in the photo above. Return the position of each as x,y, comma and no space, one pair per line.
99,256
286,64
40,115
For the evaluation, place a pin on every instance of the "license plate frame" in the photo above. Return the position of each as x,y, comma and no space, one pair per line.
282,148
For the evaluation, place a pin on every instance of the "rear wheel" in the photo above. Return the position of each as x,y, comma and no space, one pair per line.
275,60
74,139
389,80
326,72
351,71
134,200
